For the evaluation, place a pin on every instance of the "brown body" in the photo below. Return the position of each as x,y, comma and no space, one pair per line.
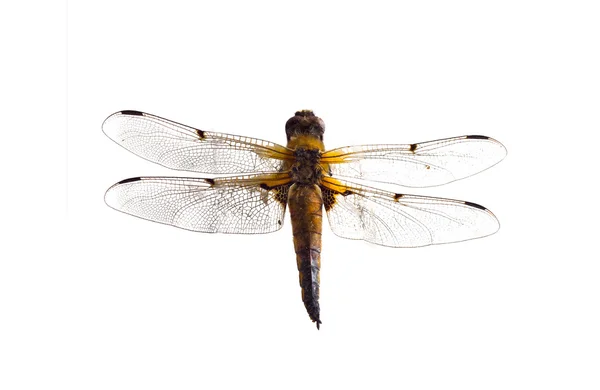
306,208
305,202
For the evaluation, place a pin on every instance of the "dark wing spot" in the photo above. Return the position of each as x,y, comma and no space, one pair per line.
477,137
279,222
398,196
264,186
210,181
132,112
413,147
427,167
130,180
280,194
328,198
475,205
200,133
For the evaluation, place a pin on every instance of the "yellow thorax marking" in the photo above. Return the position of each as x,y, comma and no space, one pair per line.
305,141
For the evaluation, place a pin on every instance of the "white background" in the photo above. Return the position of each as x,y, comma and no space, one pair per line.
94,299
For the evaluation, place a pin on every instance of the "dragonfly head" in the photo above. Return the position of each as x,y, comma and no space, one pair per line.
305,123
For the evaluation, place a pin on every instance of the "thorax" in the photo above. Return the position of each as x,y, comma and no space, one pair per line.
306,168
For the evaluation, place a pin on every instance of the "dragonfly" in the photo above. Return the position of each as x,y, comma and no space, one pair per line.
249,183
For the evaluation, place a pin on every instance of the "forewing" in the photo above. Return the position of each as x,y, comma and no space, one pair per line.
398,220
247,204
416,165
181,147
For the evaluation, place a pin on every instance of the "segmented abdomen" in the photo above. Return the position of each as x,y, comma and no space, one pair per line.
306,203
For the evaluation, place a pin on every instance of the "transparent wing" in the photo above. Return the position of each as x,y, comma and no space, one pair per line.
181,147
416,165
246,204
399,220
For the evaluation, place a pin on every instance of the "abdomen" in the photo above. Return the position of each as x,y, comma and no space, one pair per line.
306,204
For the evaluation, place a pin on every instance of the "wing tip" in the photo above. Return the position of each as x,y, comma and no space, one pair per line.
495,141
111,197
110,129
486,227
